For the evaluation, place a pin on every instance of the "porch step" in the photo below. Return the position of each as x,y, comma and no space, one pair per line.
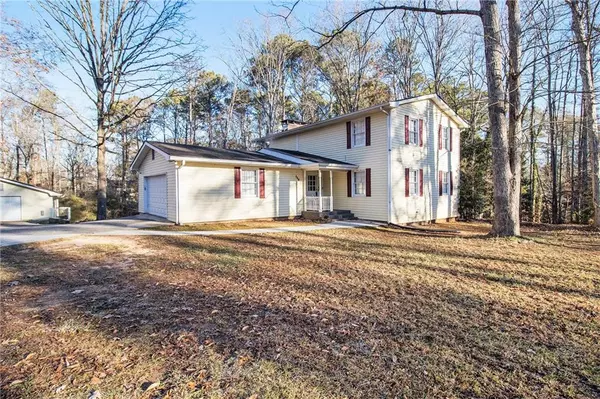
336,214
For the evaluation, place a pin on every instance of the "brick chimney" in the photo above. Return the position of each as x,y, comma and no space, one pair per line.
289,124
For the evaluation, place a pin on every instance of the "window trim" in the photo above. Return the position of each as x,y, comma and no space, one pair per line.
416,173
308,182
354,193
445,183
446,138
353,132
256,183
412,120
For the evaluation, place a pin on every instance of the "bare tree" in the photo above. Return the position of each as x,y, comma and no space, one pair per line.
583,12
116,49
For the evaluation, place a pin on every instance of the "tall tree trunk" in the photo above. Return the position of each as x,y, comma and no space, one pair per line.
101,167
506,216
584,47
515,131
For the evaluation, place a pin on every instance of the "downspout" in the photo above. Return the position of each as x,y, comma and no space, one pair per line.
389,164
177,167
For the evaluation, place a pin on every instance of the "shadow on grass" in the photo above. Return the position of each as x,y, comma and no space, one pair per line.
347,328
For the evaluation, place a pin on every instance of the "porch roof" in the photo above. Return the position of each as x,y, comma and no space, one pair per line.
308,161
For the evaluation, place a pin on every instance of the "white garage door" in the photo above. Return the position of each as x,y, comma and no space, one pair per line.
156,195
10,209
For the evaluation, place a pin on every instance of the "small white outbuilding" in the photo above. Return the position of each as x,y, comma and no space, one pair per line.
24,202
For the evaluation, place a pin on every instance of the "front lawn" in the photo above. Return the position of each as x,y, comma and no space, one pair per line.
236,225
356,313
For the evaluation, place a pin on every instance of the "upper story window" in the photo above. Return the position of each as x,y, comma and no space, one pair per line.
414,182
413,131
446,138
153,155
249,183
358,133
360,183
445,183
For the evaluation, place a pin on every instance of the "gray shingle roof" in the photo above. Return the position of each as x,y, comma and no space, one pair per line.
194,151
310,157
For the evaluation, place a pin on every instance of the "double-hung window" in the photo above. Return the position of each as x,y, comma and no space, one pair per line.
360,183
249,183
413,131
445,183
358,133
414,182
446,138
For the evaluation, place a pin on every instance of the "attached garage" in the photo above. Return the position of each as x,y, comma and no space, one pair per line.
24,202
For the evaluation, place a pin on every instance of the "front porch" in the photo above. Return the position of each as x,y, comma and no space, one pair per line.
318,191
319,198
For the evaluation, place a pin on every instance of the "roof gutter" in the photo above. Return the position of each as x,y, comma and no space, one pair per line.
234,162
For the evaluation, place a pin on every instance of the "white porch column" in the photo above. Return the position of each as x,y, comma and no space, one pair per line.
305,189
320,192
330,190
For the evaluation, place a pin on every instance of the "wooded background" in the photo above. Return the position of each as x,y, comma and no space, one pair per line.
144,80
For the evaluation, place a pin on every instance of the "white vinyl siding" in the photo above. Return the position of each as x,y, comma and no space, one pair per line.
431,205
155,167
34,205
330,142
214,200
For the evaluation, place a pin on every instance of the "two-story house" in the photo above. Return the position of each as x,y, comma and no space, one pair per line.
397,162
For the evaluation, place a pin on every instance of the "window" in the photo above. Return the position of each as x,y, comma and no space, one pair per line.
413,131
446,138
414,182
358,133
153,155
360,183
249,183
1,186
311,183
445,183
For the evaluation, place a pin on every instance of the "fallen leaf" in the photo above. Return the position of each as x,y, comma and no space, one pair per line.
95,381
148,386
16,382
76,292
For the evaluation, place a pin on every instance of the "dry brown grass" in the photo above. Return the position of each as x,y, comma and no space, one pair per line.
236,225
327,314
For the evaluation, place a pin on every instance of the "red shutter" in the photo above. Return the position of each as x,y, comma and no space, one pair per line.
440,182
421,182
421,132
450,138
261,183
237,182
368,130
349,181
407,182
406,121
440,137
348,135
368,177
451,183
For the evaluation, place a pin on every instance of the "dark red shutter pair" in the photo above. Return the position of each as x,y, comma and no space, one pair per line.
367,133
407,182
406,131
237,190
368,182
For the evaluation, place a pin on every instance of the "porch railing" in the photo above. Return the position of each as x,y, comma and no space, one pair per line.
312,203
